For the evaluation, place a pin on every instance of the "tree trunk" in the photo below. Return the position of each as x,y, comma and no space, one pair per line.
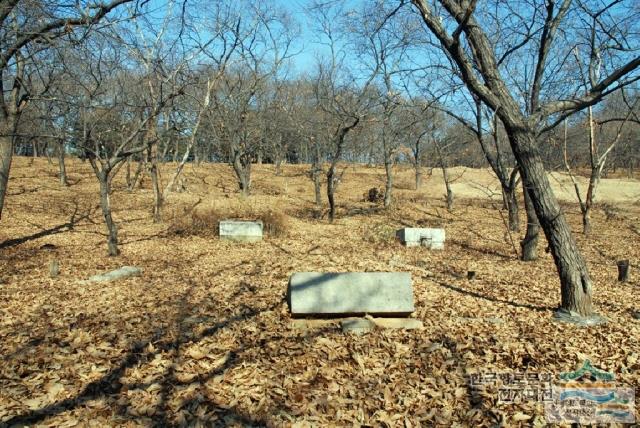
105,204
447,185
331,191
388,167
242,168
61,165
132,184
152,161
418,177
588,203
575,282
529,243
6,154
317,185
511,201
316,173
128,175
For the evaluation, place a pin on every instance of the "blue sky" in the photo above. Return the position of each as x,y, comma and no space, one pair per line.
304,62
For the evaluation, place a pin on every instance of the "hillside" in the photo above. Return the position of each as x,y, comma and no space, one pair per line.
204,336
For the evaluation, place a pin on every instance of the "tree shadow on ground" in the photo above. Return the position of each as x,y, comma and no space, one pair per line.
160,342
110,384
491,298
471,248
74,220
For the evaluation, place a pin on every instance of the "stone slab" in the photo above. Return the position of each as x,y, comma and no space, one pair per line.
120,273
241,231
399,323
386,323
427,237
357,325
350,293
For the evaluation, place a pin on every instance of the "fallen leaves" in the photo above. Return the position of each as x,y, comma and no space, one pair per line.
203,336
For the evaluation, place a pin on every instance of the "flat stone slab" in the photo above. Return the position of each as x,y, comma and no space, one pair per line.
241,231
350,293
563,315
357,325
346,323
426,237
399,323
120,273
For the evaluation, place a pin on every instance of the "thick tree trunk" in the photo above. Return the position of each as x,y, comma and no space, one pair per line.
61,165
388,167
105,204
6,155
575,282
529,244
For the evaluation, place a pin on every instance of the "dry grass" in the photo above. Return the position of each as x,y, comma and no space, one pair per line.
202,337
204,221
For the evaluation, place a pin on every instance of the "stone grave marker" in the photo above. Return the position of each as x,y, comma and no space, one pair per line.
426,237
241,231
350,293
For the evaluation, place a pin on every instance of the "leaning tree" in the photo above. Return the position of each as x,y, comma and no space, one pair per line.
479,38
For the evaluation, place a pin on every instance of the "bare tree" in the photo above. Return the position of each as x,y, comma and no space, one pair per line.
264,43
479,57
111,124
27,28
597,161
344,98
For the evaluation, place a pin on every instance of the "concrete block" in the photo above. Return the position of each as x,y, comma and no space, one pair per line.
415,236
352,293
241,231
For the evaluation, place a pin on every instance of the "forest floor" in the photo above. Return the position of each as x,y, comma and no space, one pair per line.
203,336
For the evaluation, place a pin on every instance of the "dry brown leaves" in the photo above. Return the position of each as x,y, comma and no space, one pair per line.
202,337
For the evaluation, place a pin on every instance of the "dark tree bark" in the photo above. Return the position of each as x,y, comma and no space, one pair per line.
7,129
241,163
529,243
575,282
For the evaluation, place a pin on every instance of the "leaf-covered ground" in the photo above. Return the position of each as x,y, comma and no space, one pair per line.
203,337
